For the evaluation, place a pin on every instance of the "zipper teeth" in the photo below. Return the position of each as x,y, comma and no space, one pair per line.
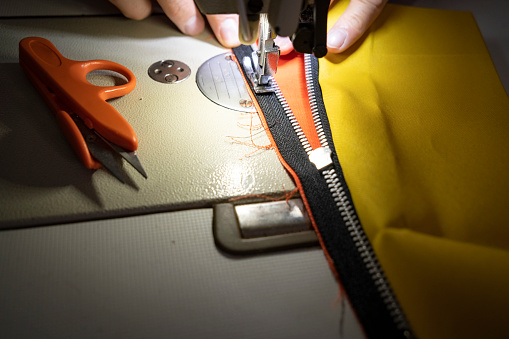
349,214
312,101
364,247
289,113
342,199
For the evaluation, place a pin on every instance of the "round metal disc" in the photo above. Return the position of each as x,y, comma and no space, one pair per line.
220,80
169,71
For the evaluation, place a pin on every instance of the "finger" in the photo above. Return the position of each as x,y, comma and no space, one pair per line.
184,14
284,43
137,10
226,28
353,23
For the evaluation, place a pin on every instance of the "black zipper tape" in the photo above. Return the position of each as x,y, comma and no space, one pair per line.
366,300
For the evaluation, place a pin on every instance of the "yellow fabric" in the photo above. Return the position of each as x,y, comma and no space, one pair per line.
420,123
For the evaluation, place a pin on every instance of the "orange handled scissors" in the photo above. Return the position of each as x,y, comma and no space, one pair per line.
94,128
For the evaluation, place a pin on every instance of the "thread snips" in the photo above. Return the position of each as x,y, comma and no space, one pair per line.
93,127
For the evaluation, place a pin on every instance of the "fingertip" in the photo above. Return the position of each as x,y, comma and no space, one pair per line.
285,44
184,14
353,23
137,16
337,40
226,29
194,25
135,11
229,33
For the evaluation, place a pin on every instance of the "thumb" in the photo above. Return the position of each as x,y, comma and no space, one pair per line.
226,28
353,23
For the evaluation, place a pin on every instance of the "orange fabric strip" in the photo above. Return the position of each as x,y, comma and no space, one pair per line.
290,76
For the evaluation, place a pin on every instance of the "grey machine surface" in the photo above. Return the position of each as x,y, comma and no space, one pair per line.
82,255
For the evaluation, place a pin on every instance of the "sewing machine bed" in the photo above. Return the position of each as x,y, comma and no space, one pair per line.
187,144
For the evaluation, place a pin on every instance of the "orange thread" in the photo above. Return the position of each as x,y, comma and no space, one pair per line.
255,127
252,143
251,126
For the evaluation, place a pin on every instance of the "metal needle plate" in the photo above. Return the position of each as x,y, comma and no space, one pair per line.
169,71
220,80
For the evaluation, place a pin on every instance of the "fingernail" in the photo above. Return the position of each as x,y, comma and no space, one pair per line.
229,33
336,39
192,26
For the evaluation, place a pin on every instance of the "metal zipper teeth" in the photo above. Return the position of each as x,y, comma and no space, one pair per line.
314,109
312,101
345,206
289,114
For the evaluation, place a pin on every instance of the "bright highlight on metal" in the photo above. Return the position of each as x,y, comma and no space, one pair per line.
261,65
220,80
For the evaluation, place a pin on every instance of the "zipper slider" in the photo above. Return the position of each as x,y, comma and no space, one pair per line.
321,157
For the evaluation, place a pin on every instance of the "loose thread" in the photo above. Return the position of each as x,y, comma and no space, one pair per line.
255,127
341,300
254,134
251,126
252,143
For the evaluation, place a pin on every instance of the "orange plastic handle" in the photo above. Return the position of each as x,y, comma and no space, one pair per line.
67,79
64,120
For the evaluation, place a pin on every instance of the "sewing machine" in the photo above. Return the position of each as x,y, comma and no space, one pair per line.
83,255
74,222
305,22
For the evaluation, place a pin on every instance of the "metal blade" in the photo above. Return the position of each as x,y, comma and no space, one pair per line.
130,157
133,159
99,149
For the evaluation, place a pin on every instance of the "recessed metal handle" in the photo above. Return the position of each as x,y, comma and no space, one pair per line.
262,227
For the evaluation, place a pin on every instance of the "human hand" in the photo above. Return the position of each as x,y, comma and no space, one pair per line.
354,22
350,26
186,16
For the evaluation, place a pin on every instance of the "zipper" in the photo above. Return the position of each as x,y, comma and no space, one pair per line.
345,242
349,215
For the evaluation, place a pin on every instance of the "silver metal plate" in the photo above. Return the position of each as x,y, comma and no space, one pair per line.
272,218
169,71
220,80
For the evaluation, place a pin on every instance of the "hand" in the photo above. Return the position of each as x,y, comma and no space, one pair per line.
352,24
185,15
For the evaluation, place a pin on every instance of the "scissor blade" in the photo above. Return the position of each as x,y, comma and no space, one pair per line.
133,159
99,149
130,157
106,158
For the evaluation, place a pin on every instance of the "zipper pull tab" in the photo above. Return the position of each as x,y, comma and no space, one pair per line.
321,157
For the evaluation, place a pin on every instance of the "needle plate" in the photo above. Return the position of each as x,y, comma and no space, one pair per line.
220,80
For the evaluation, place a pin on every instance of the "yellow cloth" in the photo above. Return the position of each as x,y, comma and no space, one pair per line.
420,123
